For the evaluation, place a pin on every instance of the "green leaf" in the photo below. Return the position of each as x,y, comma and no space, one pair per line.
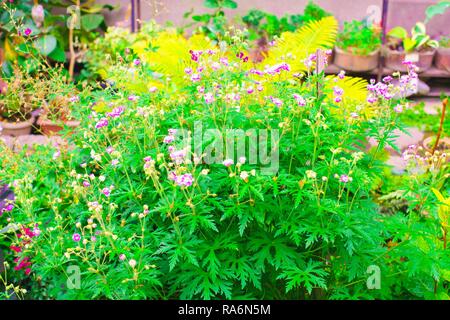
398,32
436,9
409,44
418,29
212,4
58,55
45,45
229,4
202,18
90,22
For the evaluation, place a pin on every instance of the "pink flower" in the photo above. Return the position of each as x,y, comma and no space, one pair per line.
195,77
122,257
228,162
116,112
86,184
341,74
136,62
114,162
102,123
169,139
224,61
28,32
106,192
398,108
344,178
250,90
188,70
76,237
209,98
133,97
109,150
172,131
300,100
185,180
153,89
337,99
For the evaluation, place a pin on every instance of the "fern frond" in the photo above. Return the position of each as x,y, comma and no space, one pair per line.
172,56
295,47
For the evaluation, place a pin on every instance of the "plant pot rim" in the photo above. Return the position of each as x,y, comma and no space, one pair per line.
444,49
16,125
396,52
47,122
373,53
427,140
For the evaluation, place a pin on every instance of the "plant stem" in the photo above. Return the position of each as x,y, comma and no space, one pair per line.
444,106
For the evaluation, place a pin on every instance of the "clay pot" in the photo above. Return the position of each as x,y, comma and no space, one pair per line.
16,129
394,59
50,128
2,56
442,60
444,144
356,63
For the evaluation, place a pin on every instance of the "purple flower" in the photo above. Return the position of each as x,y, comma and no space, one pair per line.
86,184
276,101
74,99
114,162
372,99
102,123
106,192
184,180
338,91
137,62
224,61
344,178
153,89
341,74
169,139
116,112
28,32
250,90
300,100
387,79
188,70
195,77
133,97
337,99
122,257
76,237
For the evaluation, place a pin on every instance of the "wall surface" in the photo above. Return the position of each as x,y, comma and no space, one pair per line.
401,12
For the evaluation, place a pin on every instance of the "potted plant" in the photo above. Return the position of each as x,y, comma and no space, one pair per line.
56,113
358,47
419,48
442,60
17,102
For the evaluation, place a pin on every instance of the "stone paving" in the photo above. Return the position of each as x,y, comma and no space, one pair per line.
18,143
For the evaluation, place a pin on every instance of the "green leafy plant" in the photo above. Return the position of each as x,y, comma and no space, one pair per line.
419,40
444,42
359,38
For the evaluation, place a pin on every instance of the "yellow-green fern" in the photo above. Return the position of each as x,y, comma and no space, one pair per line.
295,47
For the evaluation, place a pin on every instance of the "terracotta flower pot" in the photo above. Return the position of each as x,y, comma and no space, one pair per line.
444,144
442,60
356,63
16,129
50,128
422,59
